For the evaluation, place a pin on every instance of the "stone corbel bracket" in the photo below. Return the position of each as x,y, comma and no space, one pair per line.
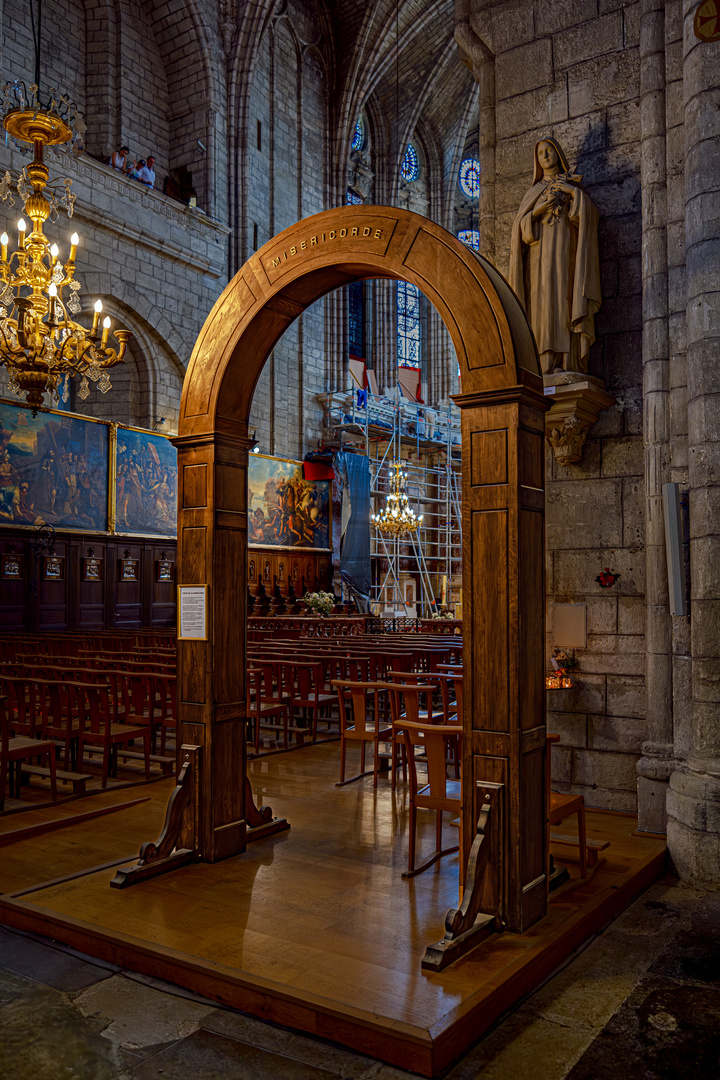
578,400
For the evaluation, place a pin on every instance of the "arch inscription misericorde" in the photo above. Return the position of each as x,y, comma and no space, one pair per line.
503,410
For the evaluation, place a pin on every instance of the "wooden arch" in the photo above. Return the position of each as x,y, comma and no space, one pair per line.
503,410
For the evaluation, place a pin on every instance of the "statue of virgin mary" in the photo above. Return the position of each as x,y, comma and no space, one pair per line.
554,263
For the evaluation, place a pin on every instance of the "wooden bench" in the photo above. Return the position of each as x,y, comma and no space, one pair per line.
167,764
78,780
592,847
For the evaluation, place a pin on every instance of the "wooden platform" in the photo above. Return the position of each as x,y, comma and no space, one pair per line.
313,929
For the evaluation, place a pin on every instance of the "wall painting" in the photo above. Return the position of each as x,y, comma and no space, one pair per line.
53,469
284,509
145,483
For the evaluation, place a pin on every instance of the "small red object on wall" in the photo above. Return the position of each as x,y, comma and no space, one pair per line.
607,578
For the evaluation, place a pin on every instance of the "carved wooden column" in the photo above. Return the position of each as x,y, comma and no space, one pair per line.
503,508
212,551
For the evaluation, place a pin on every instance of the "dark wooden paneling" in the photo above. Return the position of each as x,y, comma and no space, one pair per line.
532,624
76,604
489,612
13,593
308,571
52,595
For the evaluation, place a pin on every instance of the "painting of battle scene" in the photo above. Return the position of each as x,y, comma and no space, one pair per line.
145,484
284,509
53,469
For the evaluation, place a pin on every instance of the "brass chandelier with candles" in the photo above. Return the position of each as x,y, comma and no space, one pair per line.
397,518
41,345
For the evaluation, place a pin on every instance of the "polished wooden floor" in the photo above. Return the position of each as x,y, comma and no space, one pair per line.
315,928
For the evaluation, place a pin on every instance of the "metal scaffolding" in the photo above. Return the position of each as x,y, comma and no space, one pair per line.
387,428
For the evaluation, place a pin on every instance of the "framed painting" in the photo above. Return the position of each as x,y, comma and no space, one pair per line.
53,568
53,469
92,569
11,567
164,570
128,569
284,509
145,489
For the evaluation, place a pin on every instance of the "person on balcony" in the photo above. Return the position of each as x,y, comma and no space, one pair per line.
146,172
119,159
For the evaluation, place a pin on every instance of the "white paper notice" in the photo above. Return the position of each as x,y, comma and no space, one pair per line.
193,612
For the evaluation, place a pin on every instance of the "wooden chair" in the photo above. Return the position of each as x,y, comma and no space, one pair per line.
410,711
92,701
452,710
15,750
356,728
56,709
440,793
304,682
166,694
560,807
260,710
21,705
141,703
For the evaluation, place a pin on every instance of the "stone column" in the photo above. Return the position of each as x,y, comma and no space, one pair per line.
475,54
694,796
655,766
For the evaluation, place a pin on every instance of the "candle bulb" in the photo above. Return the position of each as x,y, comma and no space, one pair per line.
4,240
74,241
55,251
21,234
96,317
106,330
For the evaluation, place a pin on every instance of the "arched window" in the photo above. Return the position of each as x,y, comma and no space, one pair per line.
351,199
410,168
469,177
356,319
409,329
358,139
471,237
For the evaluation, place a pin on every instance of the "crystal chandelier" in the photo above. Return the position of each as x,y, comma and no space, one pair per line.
396,518
40,344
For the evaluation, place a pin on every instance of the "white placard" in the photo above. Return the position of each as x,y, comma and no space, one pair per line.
192,612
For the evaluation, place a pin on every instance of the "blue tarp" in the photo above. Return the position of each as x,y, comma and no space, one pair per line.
353,471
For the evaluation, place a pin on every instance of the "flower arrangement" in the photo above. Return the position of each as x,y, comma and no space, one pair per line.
444,614
320,603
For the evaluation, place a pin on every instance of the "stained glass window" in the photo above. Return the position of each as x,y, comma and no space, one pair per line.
469,177
356,318
358,139
408,324
410,168
352,199
471,237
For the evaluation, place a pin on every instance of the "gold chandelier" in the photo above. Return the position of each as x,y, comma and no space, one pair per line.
40,344
397,518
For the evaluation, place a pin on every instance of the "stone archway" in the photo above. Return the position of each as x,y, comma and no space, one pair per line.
503,410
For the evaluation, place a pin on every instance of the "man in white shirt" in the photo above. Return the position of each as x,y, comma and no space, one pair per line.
146,172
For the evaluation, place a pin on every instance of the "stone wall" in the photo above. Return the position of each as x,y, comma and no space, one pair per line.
572,71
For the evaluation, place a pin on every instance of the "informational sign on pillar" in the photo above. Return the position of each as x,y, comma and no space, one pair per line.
192,612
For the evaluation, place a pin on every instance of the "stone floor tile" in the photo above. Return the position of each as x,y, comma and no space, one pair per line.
40,961
694,954
666,1030
44,1037
205,1055
247,1029
140,1018
525,1046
